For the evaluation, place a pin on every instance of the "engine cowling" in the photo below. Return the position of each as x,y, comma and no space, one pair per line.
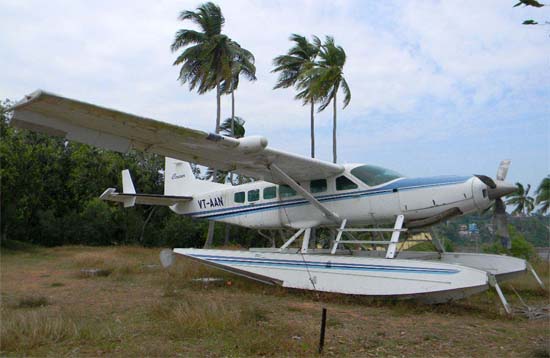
252,144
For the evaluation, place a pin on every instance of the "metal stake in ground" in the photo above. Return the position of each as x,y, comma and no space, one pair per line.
322,336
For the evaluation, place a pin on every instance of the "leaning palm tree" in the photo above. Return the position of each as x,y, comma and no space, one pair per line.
543,195
206,60
524,204
298,60
325,80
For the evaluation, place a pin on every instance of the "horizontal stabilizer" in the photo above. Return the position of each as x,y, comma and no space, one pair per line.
144,199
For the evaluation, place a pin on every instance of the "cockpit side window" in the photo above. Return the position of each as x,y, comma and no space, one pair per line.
373,175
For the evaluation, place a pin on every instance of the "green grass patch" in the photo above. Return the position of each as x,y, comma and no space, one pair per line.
32,302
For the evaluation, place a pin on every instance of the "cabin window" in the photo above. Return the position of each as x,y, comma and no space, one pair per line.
285,191
318,186
343,183
270,192
254,195
239,197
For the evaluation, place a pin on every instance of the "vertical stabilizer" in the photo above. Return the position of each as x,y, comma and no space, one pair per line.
127,184
180,180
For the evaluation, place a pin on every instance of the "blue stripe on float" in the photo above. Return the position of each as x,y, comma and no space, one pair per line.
410,184
240,261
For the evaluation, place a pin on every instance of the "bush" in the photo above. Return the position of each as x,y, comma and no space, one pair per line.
180,231
520,246
32,302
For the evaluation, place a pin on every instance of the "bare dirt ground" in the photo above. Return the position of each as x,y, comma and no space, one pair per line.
49,309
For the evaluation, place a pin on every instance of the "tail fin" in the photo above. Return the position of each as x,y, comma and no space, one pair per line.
179,179
127,183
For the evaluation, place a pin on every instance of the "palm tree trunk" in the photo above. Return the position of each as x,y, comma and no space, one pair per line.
334,158
312,129
227,226
210,235
232,124
227,234
218,107
145,224
211,224
233,114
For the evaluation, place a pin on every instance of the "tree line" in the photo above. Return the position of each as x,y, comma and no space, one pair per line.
50,188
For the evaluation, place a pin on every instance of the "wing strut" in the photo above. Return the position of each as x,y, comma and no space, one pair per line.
294,185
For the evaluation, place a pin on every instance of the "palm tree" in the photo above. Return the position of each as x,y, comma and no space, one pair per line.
232,127
543,195
206,60
243,64
325,80
521,199
292,66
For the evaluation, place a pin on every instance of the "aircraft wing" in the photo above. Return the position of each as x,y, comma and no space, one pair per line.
110,129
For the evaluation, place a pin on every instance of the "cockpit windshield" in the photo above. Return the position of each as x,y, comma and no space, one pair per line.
373,175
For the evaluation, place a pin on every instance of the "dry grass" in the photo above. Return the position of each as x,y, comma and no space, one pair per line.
144,310
23,331
116,261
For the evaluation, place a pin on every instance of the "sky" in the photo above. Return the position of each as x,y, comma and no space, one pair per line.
438,87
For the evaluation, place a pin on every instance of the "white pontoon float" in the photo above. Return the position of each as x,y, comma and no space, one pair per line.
431,277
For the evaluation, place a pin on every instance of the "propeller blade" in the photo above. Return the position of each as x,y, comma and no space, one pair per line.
486,180
503,169
500,224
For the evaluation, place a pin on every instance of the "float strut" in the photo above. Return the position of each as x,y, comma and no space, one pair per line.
493,282
530,267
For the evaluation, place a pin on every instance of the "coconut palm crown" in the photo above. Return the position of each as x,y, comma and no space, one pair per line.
523,203
292,67
543,195
208,55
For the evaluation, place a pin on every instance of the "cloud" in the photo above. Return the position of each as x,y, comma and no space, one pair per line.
419,71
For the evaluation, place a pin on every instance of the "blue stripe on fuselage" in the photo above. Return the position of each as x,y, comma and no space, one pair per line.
399,184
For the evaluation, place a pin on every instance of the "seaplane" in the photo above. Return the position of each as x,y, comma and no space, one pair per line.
302,194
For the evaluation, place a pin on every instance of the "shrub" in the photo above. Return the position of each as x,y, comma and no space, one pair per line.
33,302
520,246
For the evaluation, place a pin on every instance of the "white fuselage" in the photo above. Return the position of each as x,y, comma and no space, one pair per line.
416,198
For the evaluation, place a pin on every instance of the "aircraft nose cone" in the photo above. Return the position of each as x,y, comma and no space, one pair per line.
502,188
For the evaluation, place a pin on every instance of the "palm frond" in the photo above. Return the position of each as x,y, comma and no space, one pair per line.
543,196
186,37
347,92
240,131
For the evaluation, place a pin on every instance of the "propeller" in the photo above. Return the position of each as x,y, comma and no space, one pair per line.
500,219
496,189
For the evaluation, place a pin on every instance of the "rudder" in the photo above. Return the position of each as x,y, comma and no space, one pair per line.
179,179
